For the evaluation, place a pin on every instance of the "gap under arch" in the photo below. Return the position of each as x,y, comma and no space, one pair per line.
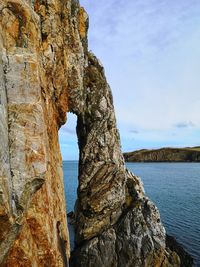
70,155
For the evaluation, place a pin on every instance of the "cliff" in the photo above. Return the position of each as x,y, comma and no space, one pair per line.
40,47
189,154
46,71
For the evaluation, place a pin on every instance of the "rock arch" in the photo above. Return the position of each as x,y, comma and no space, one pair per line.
116,224
46,70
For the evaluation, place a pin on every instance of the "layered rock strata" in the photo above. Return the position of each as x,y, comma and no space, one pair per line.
116,224
45,71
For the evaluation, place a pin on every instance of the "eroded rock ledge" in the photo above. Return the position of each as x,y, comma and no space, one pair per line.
45,71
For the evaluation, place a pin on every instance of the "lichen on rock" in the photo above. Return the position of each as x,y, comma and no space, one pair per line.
46,71
34,65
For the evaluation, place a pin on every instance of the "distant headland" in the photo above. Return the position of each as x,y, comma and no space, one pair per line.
167,154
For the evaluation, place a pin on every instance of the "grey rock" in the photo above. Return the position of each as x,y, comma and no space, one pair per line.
116,224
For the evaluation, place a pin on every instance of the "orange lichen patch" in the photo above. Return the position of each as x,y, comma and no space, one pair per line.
9,28
82,22
19,25
36,5
30,249
31,33
12,27
35,155
22,251
35,227
63,105
33,66
18,258
45,45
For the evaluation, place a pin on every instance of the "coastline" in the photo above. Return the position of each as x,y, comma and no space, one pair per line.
171,243
166,154
185,257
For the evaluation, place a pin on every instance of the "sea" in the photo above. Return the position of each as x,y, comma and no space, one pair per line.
173,187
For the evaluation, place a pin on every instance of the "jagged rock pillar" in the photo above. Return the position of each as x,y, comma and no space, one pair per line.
116,224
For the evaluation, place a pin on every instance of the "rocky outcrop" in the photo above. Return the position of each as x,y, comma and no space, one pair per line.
116,224
40,48
186,259
188,154
46,70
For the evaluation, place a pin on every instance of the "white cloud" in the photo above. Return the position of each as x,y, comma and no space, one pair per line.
181,125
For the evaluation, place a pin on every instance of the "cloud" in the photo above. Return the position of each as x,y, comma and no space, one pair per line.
184,124
134,131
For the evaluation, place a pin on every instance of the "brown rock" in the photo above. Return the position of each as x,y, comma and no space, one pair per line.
40,46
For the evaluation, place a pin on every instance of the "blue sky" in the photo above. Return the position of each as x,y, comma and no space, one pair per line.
151,53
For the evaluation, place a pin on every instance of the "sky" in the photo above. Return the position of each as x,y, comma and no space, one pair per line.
151,53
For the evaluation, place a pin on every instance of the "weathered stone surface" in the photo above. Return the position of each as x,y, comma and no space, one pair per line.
102,174
45,71
41,47
116,224
186,259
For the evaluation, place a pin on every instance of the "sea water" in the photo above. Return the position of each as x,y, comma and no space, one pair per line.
173,187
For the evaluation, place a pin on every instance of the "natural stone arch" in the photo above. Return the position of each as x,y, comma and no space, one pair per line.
100,162
48,64
116,224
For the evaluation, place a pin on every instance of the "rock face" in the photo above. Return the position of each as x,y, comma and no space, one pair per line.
186,259
188,154
45,71
40,48
116,224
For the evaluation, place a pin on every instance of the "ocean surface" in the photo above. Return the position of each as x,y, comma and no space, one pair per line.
173,187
